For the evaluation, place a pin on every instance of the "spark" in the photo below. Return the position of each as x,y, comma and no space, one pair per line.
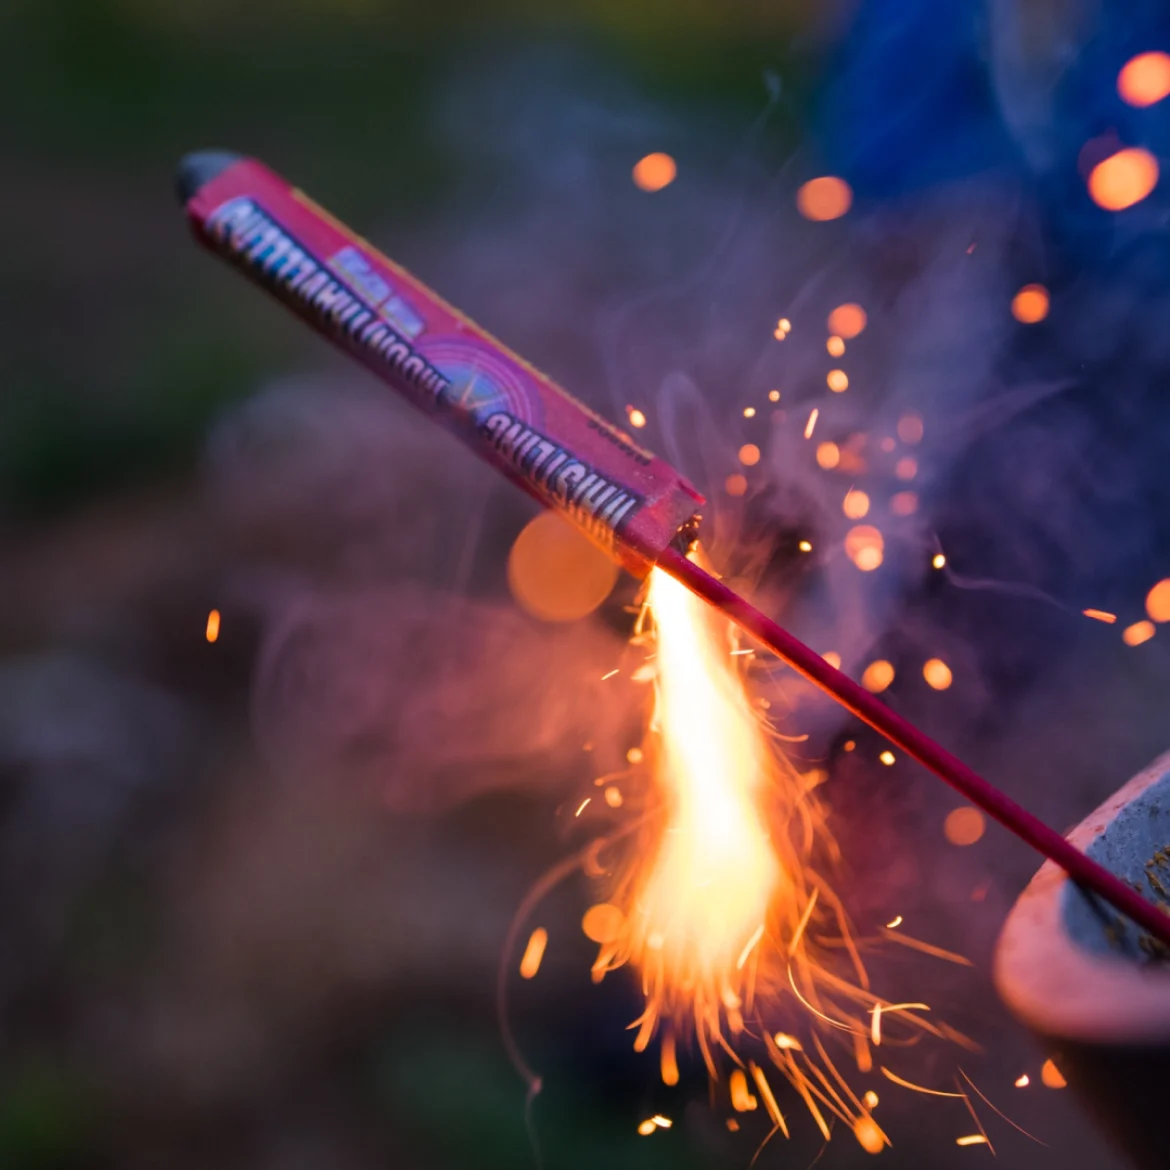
783,1041
582,806
916,1088
810,426
606,677
212,631
938,561
749,412
661,1122
636,417
784,325
971,1139
1030,304
635,755
875,1032
1023,1081
749,454
749,946
647,1127
804,546
1138,633
668,1060
1100,615
824,198
928,949
1051,1076
732,1125
868,1135
1123,179
990,1105
870,1099
613,797
654,171
533,953
742,1100
895,923
773,395
794,944
837,381
887,757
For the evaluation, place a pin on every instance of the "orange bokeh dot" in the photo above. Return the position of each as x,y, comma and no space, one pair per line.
1158,601
877,676
906,467
749,454
835,345
735,485
856,504
847,320
655,171
828,455
1030,304
603,923
937,674
1123,179
825,198
964,826
910,428
1138,633
838,381
1145,79
555,573
864,546
904,504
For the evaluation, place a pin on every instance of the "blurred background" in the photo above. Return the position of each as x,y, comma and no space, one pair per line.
256,876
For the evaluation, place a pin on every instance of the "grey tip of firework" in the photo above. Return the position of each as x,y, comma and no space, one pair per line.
199,168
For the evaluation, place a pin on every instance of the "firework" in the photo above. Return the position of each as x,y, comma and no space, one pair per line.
623,497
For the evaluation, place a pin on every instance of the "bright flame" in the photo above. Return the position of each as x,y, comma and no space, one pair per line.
709,888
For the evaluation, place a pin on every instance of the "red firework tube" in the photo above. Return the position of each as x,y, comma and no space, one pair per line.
632,503
624,498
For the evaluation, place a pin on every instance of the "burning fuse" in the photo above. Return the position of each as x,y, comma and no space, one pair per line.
624,498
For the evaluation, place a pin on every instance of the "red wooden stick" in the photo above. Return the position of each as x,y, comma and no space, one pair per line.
913,742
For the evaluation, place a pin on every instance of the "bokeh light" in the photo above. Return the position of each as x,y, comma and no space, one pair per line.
835,345
749,454
847,320
964,826
937,674
602,923
911,428
828,455
856,504
838,381
636,417
865,547
1138,633
1030,304
906,467
904,503
1145,79
878,676
1051,1076
655,171
1158,601
1123,179
555,573
824,198
735,484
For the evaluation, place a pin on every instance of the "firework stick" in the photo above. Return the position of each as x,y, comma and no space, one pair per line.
624,498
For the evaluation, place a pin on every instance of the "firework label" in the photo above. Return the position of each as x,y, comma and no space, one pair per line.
623,497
